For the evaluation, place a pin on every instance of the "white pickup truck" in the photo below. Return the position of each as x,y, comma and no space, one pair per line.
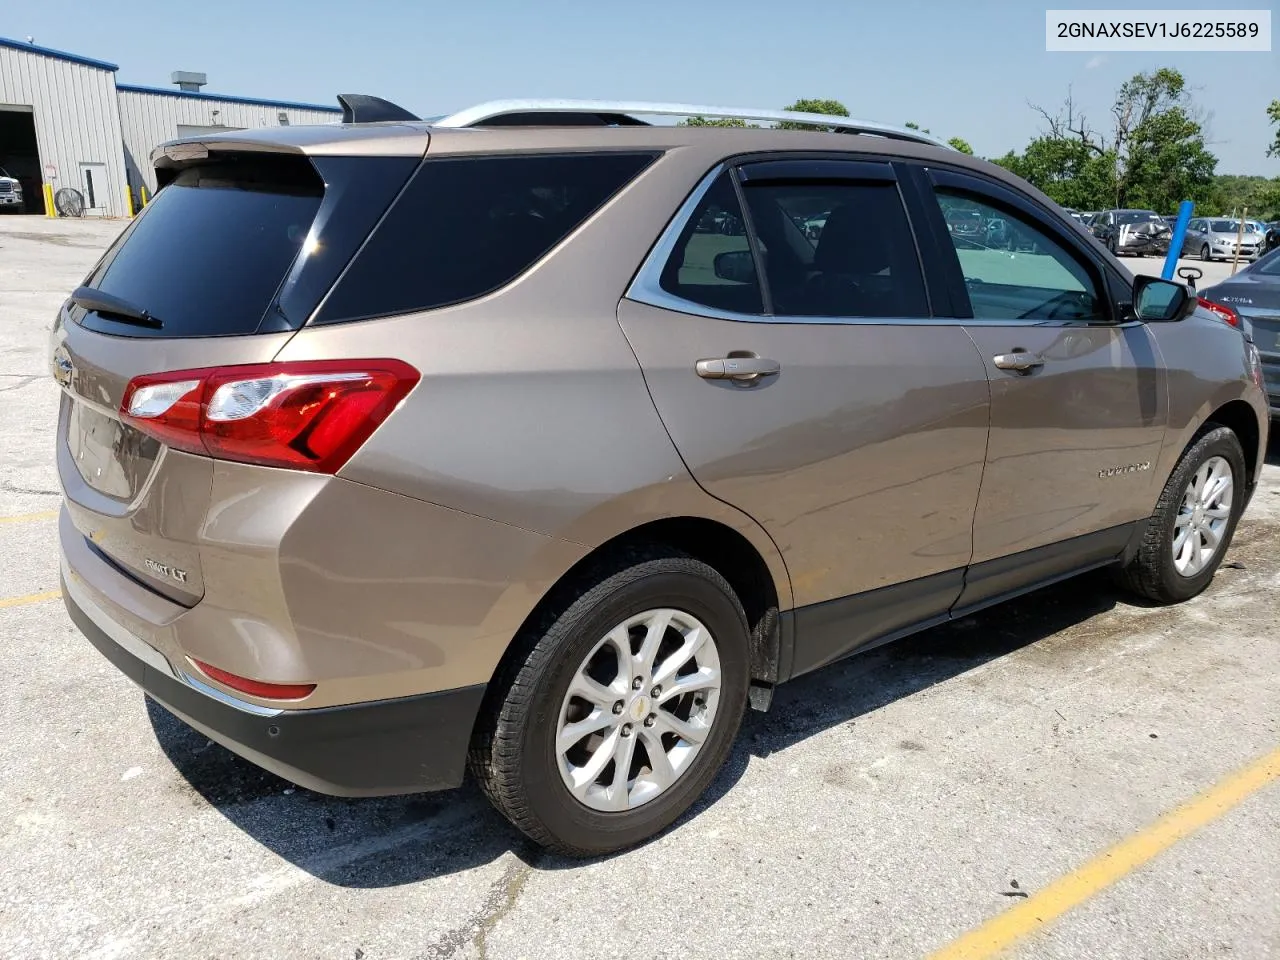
10,193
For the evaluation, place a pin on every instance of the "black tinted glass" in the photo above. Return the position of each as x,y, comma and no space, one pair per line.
712,263
465,227
1269,266
837,249
208,254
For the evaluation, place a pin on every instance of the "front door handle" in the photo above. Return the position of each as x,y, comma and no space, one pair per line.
1021,361
741,369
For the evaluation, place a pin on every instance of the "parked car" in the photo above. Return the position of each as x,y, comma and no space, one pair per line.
1271,239
1138,232
967,224
1213,238
1254,294
489,458
10,193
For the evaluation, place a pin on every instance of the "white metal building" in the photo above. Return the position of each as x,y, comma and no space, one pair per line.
64,121
152,115
60,124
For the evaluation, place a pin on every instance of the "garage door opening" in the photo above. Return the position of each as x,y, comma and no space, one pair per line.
19,157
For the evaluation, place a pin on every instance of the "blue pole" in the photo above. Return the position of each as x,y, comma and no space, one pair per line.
1175,242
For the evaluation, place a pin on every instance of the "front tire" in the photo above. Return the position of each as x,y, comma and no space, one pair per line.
1205,254
660,635
1194,521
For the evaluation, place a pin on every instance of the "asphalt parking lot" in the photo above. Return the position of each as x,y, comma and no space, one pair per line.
885,807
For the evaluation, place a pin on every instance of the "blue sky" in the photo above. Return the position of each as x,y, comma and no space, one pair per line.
959,68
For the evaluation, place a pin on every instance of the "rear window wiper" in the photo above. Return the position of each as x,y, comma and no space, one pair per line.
113,306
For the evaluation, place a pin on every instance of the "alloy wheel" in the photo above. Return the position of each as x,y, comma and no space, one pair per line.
638,710
1203,516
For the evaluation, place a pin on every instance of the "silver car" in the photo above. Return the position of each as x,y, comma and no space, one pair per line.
1212,237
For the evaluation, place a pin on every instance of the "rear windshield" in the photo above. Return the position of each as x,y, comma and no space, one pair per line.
465,227
208,254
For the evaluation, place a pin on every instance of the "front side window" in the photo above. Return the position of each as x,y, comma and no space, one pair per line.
1022,273
837,249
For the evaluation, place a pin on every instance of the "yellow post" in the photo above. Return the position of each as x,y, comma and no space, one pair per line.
128,199
145,198
49,211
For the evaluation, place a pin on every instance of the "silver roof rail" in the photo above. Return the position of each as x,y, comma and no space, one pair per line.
478,114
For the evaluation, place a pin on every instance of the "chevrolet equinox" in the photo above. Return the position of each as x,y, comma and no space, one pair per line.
393,449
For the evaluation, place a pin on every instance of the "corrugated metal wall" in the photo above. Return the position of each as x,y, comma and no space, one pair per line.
77,118
149,119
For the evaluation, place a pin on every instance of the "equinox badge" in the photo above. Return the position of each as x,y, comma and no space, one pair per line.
1127,468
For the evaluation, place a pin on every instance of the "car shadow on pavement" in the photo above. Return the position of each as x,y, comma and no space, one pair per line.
1273,445
386,842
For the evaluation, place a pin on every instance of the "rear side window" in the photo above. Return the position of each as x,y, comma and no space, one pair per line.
208,254
837,249
465,227
712,263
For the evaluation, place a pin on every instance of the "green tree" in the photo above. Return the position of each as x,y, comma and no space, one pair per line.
1065,169
718,122
1153,155
832,108
1233,193
1161,157
1273,113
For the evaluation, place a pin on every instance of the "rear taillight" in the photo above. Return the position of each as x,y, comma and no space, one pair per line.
1223,312
306,415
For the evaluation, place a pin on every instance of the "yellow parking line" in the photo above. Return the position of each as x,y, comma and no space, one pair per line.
24,517
29,598
1017,923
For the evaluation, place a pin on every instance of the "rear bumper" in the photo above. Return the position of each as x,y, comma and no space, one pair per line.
406,745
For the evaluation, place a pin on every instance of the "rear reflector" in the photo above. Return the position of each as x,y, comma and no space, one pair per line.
306,415
256,688
1222,311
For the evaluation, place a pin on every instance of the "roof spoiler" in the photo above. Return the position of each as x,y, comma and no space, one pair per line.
363,108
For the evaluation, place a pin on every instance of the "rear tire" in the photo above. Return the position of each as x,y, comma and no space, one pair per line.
519,753
1160,571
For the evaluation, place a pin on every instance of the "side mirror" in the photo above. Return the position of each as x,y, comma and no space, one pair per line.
1161,301
736,266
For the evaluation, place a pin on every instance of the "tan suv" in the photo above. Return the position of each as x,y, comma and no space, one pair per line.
540,440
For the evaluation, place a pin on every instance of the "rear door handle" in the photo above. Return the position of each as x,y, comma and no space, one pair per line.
1021,361
742,369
